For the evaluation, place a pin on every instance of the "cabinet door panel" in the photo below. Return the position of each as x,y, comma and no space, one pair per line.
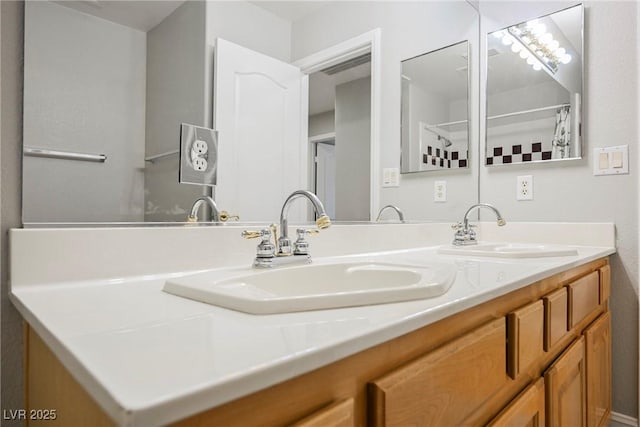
336,415
525,332
526,410
584,297
555,317
598,355
566,388
443,387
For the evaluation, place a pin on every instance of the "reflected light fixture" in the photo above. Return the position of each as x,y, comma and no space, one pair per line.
533,43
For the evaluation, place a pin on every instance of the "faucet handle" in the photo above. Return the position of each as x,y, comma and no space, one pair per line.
265,248
226,216
301,246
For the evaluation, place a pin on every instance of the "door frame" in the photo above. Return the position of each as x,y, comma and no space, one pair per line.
348,49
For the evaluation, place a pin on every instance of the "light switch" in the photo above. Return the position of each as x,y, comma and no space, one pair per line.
611,160
603,161
390,177
616,161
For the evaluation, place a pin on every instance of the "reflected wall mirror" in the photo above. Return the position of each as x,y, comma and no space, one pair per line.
115,80
534,90
435,110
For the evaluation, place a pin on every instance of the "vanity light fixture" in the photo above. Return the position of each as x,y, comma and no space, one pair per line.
535,45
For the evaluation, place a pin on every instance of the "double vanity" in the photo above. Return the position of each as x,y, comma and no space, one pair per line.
518,331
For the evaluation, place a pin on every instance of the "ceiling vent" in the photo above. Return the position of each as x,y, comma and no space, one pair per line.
351,63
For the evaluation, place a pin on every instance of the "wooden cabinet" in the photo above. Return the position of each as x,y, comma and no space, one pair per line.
337,415
598,358
537,356
525,328
526,410
445,386
566,388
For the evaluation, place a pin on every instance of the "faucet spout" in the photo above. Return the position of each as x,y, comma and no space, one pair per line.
499,218
323,221
215,213
392,207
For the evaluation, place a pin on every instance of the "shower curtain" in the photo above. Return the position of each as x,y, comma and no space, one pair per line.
562,134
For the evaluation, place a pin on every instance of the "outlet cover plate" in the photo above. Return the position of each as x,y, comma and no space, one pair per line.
198,155
524,187
440,191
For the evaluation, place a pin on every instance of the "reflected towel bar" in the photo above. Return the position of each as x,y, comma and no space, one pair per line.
159,156
535,110
66,155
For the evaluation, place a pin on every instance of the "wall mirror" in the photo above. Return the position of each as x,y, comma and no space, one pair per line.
534,89
435,110
107,85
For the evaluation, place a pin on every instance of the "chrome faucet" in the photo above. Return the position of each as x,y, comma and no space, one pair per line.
283,251
392,207
216,215
464,234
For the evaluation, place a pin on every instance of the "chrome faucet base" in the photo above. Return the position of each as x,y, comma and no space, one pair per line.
279,261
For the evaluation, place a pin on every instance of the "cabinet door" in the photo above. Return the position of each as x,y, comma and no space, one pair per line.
566,388
598,354
525,333
445,386
526,410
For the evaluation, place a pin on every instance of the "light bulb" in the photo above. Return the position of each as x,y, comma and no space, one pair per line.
560,51
515,30
526,39
546,38
553,45
530,60
516,47
498,34
565,59
537,66
524,54
539,29
507,40
532,23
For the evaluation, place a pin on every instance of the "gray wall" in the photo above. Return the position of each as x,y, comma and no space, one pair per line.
175,78
353,135
11,42
322,123
84,92
568,191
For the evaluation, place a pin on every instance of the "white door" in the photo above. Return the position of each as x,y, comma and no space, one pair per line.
261,119
326,177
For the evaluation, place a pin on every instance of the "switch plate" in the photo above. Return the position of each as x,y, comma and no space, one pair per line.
440,191
524,187
198,155
611,160
390,177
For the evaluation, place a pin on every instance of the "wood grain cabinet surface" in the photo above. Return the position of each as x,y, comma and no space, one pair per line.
540,355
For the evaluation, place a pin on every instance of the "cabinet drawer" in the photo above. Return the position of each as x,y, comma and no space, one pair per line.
556,317
525,410
525,333
444,386
339,414
584,297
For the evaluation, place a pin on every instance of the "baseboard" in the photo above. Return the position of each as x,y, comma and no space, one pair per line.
624,419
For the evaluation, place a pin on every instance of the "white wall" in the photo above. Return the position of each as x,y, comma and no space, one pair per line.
408,29
84,92
322,123
353,136
175,80
568,191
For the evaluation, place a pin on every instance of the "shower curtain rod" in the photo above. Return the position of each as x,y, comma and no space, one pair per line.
534,110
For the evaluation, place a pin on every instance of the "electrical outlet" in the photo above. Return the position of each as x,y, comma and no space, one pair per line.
524,187
198,155
440,191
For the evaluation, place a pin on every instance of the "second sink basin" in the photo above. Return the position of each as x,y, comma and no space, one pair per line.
313,287
509,250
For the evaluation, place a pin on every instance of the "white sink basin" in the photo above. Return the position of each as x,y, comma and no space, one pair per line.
316,286
509,250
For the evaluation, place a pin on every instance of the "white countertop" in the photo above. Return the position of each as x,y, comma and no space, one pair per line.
149,358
